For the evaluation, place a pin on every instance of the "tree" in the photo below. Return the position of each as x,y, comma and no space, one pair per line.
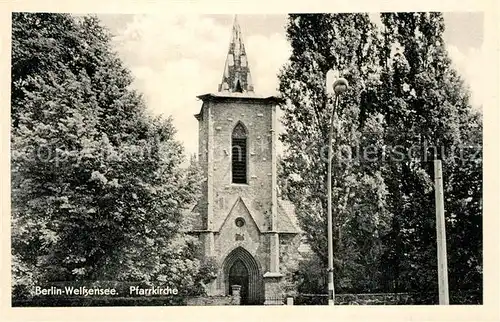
426,106
347,43
406,102
97,187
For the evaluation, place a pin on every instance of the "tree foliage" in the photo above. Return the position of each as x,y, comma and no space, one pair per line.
405,99
427,106
97,187
346,43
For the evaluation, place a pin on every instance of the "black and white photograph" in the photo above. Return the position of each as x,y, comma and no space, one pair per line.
286,159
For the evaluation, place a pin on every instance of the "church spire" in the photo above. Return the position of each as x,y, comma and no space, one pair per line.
236,77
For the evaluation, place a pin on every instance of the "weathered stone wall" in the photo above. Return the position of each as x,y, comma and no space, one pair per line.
203,161
289,261
465,297
355,299
248,237
212,300
373,299
289,251
223,202
252,201
234,299
258,120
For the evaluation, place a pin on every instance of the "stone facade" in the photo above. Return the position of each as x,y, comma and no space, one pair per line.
233,299
241,224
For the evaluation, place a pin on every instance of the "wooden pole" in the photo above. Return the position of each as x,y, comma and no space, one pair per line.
441,235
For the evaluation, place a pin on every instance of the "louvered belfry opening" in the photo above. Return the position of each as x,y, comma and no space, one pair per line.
239,154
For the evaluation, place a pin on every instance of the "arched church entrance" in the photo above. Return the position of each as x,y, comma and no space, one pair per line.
241,268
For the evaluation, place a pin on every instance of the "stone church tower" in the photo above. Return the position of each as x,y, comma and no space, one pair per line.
239,220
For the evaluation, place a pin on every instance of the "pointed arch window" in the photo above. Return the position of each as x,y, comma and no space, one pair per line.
239,154
239,88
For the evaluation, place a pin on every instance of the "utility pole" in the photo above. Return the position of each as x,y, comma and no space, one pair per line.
442,258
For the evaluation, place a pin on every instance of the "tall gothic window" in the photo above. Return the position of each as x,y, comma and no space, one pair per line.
239,154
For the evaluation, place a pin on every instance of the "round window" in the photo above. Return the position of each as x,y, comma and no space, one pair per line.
240,222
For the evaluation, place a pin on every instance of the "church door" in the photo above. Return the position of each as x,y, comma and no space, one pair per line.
241,268
238,275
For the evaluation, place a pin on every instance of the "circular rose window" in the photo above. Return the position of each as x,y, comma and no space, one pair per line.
240,222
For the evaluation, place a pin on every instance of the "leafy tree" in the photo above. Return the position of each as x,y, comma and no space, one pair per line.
347,43
311,278
427,110
405,99
97,187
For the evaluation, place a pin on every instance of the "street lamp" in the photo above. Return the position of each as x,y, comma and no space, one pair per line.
339,87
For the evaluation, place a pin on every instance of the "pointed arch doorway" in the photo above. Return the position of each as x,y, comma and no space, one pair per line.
241,268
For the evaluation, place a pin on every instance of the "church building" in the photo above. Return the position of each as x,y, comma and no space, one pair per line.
240,220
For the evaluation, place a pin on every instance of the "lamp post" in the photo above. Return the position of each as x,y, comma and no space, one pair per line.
339,87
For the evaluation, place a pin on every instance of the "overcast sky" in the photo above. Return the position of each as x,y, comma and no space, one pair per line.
175,58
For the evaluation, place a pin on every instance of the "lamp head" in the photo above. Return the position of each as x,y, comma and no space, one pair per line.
340,86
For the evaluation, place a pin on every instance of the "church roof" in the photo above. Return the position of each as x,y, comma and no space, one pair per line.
248,95
192,218
236,80
287,220
246,203
236,76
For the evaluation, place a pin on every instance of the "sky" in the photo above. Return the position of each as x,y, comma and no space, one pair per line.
174,58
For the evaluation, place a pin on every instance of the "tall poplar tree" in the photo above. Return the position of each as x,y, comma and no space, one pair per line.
428,115
407,101
348,44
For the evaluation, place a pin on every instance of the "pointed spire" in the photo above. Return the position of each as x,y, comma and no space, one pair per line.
236,77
